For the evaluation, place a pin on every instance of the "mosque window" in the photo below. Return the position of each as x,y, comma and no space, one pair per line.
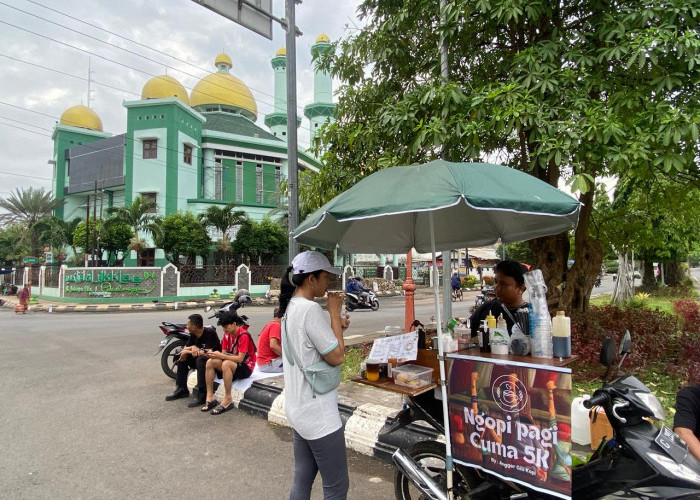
239,181
187,155
278,179
148,197
218,182
258,183
150,149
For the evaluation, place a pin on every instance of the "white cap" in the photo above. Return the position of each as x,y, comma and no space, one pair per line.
310,261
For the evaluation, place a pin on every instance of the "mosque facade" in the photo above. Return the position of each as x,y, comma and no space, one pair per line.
185,152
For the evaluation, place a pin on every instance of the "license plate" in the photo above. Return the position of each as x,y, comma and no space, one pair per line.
672,444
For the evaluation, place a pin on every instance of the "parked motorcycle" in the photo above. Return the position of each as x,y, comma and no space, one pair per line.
641,461
352,301
176,334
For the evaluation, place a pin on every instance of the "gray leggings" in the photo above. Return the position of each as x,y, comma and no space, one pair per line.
327,455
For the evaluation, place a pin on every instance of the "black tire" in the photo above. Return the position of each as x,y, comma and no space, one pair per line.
454,296
375,305
460,295
170,354
430,456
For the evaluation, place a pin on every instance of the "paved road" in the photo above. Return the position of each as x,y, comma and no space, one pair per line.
83,416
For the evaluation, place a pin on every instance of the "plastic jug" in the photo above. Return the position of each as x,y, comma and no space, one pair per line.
561,335
580,423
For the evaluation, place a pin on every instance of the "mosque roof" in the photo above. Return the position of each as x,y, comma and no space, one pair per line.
81,116
235,124
163,86
225,89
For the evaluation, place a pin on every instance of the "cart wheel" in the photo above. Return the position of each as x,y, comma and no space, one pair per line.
430,456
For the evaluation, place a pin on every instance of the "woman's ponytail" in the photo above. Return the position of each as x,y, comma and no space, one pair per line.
287,289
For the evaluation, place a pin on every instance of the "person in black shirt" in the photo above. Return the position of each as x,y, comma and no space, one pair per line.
509,288
193,355
686,423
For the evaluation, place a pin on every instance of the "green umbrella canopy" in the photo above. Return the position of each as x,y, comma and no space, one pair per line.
473,204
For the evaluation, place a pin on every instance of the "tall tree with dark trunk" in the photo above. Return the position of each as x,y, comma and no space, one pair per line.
568,91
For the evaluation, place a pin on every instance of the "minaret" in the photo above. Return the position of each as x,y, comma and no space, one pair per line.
322,109
277,120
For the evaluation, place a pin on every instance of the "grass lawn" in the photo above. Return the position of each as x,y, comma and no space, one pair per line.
664,304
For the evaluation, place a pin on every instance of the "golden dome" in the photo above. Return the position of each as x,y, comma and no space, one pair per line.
322,38
163,86
81,116
223,58
281,52
224,88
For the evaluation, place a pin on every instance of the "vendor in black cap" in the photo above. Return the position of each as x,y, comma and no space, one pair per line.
235,361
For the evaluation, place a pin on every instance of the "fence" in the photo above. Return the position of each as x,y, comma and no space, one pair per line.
207,275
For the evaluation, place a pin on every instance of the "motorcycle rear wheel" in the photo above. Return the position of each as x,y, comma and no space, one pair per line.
430,456
170,354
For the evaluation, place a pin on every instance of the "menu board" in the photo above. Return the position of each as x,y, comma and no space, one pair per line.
513,421
403,347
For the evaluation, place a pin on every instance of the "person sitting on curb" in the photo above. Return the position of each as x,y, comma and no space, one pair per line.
270,345
686,423
235,362
193,355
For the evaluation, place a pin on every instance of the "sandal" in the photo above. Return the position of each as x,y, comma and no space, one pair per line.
221,409
209,405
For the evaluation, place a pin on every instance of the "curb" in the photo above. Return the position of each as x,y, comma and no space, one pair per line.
63,307
364,423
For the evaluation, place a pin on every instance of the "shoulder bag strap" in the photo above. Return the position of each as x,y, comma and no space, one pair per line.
288,348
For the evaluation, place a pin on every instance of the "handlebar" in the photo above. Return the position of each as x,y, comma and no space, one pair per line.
596,400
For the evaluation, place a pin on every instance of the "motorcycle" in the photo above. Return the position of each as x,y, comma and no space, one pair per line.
176,334
598,281
640,461
352,301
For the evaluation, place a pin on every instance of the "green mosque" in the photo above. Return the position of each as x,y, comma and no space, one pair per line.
185,152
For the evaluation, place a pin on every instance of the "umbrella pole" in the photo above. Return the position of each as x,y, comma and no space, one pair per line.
441,357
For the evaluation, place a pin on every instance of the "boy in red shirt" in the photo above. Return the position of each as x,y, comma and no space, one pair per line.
236,361
270,345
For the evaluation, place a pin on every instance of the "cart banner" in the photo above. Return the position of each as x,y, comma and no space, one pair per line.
513,420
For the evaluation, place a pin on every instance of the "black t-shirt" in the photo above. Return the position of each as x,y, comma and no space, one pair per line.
688,409
496,309
209,338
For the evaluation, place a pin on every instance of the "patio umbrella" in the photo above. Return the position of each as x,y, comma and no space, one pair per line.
441,205
473,204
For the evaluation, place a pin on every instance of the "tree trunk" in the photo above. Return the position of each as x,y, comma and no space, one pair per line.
648,278
673,273
551,255
588,258
623,286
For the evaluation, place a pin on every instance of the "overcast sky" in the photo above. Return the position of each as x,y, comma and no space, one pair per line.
45,46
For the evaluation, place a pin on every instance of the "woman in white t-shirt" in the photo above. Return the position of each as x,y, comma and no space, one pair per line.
319,440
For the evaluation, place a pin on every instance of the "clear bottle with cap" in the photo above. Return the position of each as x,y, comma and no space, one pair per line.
561,335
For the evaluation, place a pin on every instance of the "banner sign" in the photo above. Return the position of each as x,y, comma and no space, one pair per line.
513,420
112,282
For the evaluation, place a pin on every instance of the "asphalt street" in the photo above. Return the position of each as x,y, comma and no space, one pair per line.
83,416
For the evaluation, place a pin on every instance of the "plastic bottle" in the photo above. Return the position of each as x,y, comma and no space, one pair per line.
484,345
491,321
561,335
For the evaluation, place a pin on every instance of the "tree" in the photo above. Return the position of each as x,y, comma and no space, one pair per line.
27,207
116,236
140,216
93,239
564,90
260,242
57,233
12,246
223,219
183,234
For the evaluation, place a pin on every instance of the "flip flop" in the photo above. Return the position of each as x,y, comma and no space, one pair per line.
209,405
221,409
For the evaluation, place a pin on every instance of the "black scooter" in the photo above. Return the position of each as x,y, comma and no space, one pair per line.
640,462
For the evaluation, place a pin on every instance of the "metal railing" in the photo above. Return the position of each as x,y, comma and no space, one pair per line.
207,275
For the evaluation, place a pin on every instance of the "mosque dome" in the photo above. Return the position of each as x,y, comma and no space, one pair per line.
81,116
322,38
223,58
224,89
281,52
163,86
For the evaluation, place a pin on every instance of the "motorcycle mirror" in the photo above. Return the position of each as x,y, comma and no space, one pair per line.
607,352
626,343
207,309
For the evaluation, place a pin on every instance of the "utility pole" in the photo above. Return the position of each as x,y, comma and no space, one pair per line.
87,231
94,225
292,161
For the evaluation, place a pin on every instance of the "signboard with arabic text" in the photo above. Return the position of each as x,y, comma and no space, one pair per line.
513,420
112,282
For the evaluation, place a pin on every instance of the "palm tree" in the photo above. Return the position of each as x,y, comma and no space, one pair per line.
27,207
57,233
223,219
140,216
